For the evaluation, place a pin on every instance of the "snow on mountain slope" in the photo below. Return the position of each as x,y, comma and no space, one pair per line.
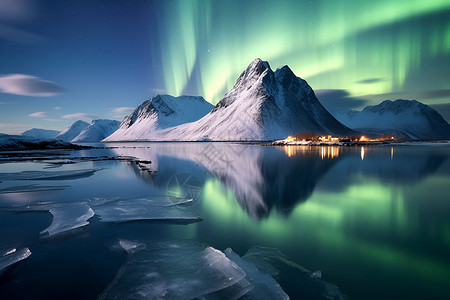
71,131
402,118
266,105
159,113
262,105
96,131
38,133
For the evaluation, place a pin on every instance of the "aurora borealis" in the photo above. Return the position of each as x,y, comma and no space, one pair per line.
109,56
364,47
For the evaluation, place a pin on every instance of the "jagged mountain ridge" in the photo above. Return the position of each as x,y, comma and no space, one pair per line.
262,105
403,118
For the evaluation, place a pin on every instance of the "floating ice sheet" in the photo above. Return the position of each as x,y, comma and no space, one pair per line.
11,257
66,216
131,246
233,292
31,188
306,285
176,272
48,175
264,286
137,209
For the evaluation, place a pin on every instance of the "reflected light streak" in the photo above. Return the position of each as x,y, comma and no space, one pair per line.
329,152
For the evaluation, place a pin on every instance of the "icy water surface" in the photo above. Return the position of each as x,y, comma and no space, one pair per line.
227,221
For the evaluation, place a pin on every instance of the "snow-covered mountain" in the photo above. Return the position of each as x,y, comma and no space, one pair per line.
96,131
401,118
262,105
159,113
38,133
71,131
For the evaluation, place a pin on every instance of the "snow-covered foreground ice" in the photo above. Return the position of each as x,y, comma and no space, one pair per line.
179,270
265,287
11,257
152,208
68,216
187,269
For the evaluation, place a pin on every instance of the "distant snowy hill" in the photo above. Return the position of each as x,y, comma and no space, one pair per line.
72,131
96,131
262,105
38,133
402,118
159,113
22,142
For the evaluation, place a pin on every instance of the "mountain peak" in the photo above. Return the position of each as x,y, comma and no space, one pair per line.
259,64
254,70
275,102
262,105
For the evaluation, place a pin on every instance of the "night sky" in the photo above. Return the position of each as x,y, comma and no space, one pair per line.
66,60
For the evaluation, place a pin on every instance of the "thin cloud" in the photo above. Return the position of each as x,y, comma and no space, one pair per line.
434,94
371,80
336,101
52,120
77,116
158,91
12,128
26,85
39,114
57,107
17,10
124,110
423,95
19,36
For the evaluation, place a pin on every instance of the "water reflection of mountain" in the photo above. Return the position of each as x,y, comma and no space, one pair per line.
265,177
259,177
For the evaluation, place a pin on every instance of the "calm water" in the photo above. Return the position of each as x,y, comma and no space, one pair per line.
374,220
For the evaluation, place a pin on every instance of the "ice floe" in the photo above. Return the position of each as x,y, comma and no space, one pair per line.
12,256
306,284
130,246
152,208
48,175
179,271
264,285
32,188
66,216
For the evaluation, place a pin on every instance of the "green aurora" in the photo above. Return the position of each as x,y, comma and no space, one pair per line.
371,49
